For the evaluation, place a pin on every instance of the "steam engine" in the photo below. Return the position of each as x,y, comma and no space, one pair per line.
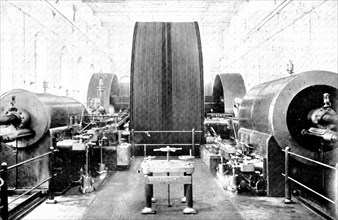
299,112
51,143
29,123
246,132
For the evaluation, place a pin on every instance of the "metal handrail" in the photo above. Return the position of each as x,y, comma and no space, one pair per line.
4,186
31,189
314,161
164,144
29,160
308,188
192,131
287,199
198,131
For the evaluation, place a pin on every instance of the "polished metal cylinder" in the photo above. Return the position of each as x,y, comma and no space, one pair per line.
45,110
227,87
280,108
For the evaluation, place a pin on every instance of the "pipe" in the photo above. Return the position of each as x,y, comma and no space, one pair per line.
53,131
10,119
330,118
51,7
273,35
24,132
20,133
267,18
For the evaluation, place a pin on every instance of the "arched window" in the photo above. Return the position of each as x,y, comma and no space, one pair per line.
40,67
65,73
79,80
124,82
6,70
91,72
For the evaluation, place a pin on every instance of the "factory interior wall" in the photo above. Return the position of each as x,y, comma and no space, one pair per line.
39,44
304,32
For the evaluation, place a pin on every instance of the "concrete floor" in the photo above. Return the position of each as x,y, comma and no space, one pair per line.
121,196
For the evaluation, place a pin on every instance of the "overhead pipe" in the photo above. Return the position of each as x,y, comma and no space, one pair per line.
268,18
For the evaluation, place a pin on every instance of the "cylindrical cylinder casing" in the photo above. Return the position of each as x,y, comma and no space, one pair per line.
124,96
45,110
227,86
103,86
280,108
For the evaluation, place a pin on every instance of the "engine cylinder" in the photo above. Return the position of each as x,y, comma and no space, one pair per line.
226,88
103,90
124,97
46,111
281,107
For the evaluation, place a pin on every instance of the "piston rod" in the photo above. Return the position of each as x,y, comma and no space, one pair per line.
10,119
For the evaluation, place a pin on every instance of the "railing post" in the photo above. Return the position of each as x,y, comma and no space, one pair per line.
4,192
51,199
265,168
221,168
336,199
119,135
145,150
287,199
132,142
193,141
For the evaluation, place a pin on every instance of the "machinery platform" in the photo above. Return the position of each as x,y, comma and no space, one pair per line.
121,196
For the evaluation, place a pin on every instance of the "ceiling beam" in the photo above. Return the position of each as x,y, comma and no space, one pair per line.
165,5
103,1
155,1
132,23
163,13
171,18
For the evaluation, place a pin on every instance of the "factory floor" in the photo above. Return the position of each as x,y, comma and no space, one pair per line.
121,196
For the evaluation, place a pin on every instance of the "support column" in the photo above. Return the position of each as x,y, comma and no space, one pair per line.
4,192
184,199
287,199
336,191
149,193
189,199
51,199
